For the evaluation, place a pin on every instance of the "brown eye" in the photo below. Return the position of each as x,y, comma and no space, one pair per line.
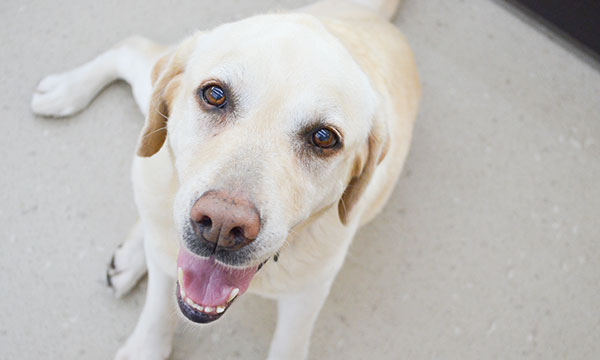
325,138
214,95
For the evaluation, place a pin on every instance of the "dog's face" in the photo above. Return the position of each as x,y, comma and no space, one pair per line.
270,121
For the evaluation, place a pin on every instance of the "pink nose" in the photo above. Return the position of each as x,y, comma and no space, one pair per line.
227,222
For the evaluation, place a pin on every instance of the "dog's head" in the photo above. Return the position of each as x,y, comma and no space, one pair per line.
269,121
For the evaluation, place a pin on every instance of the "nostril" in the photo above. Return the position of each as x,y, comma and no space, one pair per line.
205,221
226,221
237,232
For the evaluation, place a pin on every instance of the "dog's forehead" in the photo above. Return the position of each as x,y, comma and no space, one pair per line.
277,42
291,57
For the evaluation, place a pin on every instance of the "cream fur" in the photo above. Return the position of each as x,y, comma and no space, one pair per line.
355,70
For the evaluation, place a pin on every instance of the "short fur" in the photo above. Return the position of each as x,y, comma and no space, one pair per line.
347,67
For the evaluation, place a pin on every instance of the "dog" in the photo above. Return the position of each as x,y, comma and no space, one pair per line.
267,143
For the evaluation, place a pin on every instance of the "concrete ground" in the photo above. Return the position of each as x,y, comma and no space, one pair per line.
489,248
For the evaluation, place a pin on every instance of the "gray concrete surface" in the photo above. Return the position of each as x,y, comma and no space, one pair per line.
488,250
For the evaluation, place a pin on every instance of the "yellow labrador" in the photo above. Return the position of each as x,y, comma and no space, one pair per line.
267,143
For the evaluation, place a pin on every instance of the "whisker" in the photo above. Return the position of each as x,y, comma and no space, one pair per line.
344,205
155,131
158,111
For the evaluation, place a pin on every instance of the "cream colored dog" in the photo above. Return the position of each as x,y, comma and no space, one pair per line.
271,138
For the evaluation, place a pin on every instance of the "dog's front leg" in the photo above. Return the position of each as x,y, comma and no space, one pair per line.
153,335
296,317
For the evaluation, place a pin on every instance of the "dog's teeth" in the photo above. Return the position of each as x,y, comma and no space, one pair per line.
233,294
206,309
180,279
191,303
180,276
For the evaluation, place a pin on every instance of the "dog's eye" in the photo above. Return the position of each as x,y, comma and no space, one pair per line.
325,138
214,95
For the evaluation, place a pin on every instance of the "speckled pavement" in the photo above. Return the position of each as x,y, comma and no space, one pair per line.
489,248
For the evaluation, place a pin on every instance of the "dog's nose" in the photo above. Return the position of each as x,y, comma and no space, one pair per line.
226,221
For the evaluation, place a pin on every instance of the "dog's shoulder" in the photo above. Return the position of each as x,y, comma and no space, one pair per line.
382,52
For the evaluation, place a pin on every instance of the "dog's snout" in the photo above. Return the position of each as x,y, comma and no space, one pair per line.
226,221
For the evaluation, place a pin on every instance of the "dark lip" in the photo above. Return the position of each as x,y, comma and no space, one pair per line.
203,249
237,258
195,315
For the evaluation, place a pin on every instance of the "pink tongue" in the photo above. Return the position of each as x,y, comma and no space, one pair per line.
208,283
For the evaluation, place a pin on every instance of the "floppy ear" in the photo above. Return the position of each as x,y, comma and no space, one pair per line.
166,77
377,144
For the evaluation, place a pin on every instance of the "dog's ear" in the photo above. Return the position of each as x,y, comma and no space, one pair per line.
166,77
377,147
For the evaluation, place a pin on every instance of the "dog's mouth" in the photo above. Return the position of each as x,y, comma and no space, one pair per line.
206,289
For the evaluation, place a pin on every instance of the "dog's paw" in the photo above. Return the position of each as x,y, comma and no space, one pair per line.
136,349
126,268
61,94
